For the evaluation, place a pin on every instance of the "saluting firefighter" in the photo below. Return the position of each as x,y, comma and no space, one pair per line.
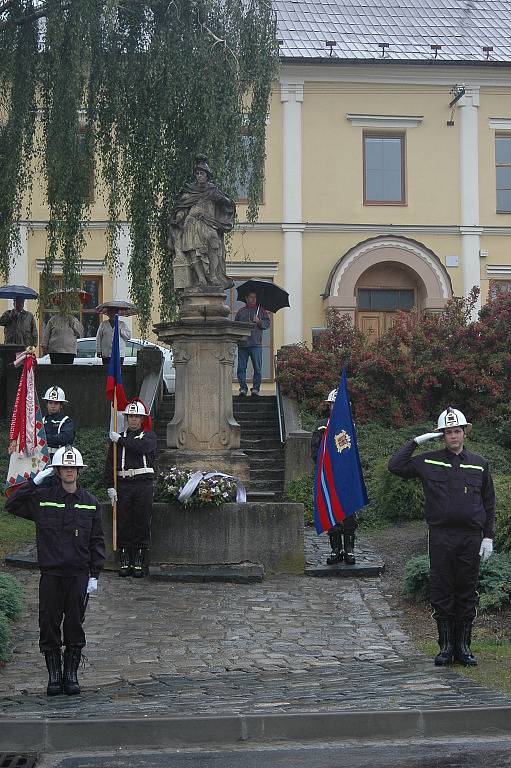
59,428
348,527
136,456
460,513
70,554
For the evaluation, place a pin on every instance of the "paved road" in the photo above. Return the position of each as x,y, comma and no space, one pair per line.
461,754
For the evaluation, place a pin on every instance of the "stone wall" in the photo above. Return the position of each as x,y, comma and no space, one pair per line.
84,386
267,533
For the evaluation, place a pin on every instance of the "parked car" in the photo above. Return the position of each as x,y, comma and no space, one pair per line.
86,355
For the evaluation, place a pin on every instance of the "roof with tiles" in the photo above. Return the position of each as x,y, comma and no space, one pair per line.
414,30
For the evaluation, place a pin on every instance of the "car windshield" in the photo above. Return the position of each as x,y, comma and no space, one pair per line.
86,348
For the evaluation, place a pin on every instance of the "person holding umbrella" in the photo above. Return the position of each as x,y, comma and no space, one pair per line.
105,332
256,294
19,324
63,329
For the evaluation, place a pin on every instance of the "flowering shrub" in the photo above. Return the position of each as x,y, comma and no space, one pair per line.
425,362
213,490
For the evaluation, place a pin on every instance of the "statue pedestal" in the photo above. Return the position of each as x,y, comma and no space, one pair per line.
203,433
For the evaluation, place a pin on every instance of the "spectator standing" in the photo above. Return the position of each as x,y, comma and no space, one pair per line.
251,347
105,335
60,336
20,325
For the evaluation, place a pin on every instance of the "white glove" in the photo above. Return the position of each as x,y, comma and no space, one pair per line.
428,436
92,586
112,495
114,436
43,474
486,549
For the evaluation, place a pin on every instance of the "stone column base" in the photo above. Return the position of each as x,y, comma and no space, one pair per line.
233,462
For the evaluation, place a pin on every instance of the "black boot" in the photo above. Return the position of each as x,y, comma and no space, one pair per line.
335,536
72,656
446,642
53,659
140,563
462,651
349,548
125,566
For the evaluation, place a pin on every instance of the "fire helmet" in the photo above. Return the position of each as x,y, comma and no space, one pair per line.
135,408
67,456
451,417
55,395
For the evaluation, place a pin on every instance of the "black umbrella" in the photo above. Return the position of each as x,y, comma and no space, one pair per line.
269,295
17,292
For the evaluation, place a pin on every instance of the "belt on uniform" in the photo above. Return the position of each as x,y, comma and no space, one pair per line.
132,472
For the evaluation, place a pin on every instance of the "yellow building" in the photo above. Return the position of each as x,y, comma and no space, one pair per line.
388,171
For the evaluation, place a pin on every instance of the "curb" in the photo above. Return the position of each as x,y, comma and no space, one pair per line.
71,735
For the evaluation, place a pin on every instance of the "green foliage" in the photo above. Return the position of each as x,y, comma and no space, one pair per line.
494,584
92,442
395,499
503,514
10,596
5,637
301,491
416,577
129,91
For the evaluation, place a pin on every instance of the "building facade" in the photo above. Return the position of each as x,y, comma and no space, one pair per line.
388,169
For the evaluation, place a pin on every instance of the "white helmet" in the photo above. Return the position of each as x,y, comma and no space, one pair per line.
55,395
331,396
67,456
451,417
135,408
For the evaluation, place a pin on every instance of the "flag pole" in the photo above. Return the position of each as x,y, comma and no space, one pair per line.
114,505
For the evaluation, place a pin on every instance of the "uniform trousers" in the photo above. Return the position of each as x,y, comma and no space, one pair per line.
62,597
454,571
134,510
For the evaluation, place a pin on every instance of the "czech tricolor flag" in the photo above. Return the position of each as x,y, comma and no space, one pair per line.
114,377
339,488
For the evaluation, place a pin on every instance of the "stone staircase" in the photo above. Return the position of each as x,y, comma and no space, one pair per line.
260,440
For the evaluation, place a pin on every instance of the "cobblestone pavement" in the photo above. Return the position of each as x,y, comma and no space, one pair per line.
291,643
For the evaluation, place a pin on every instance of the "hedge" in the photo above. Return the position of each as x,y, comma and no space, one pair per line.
10,610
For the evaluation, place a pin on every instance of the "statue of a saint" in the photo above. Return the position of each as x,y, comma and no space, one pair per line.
198,222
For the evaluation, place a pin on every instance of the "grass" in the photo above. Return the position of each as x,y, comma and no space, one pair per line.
494,662
14,533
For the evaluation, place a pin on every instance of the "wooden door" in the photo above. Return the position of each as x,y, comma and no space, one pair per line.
371,324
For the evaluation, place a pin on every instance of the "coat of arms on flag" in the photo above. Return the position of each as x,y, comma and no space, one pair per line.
27,438
339,488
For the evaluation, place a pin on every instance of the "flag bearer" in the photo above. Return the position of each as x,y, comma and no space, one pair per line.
136,456
70,553
460,513
59,428
348,526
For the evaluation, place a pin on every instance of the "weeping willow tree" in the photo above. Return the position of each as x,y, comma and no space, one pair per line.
131,91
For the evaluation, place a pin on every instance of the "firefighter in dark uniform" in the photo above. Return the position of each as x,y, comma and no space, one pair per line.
136,456
460,513
348,527
70,553
59,428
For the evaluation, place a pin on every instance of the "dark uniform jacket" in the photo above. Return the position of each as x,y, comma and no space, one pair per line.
60,430
136,457
458,488
69,533
316,438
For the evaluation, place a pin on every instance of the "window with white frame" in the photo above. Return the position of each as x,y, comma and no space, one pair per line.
503,172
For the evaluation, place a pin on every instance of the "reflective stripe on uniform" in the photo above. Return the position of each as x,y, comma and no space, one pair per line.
438,463
51,504
471,466
85,506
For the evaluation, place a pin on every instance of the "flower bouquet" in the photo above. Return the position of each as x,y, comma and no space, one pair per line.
208,489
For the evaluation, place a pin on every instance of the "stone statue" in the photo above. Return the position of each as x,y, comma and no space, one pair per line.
199,219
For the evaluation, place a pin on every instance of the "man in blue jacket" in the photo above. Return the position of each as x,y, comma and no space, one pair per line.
59,428
251,347
70,554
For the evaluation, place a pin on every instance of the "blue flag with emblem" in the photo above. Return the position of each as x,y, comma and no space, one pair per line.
339,488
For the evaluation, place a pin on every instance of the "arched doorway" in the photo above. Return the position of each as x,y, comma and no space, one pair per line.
377,278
